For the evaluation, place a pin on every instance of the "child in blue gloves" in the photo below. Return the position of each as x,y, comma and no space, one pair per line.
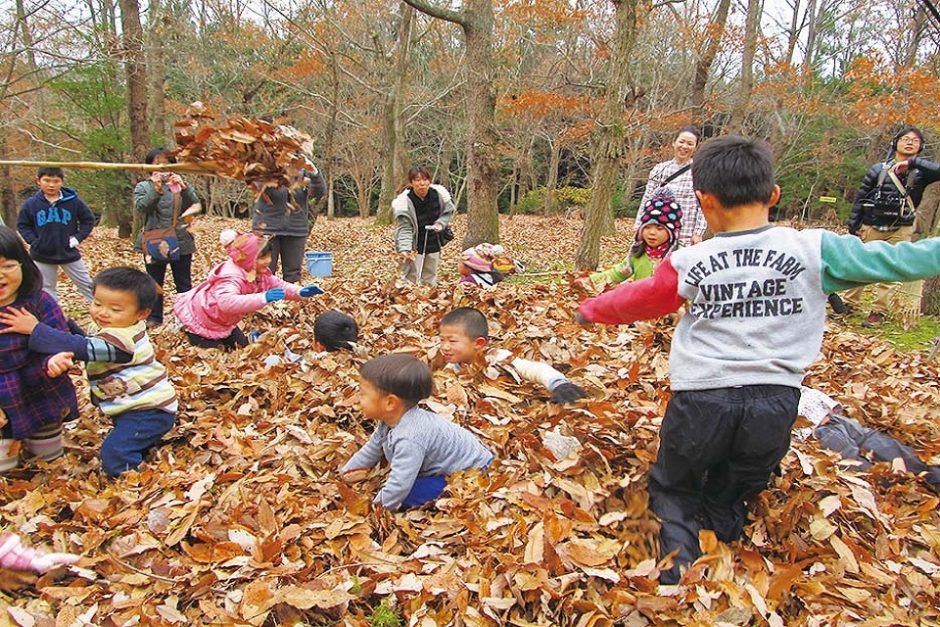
210,313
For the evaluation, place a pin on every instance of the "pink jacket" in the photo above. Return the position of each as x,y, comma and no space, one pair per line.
216,306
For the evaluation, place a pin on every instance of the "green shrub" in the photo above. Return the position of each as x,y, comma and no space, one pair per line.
567,197
385,615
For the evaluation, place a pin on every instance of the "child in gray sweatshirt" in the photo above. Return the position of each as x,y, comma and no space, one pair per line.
421,447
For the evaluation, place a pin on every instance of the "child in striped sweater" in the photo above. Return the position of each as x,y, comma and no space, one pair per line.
127,382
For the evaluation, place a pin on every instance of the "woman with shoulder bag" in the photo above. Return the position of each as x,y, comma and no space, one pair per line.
164,239
422,213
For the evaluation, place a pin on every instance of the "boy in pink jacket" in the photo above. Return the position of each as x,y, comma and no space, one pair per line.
210,312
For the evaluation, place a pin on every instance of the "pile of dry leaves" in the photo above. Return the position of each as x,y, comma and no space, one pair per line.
254,151
241,519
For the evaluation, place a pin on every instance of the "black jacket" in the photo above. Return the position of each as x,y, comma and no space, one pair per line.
47,227
919,175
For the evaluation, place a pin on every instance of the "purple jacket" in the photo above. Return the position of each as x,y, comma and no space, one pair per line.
28,396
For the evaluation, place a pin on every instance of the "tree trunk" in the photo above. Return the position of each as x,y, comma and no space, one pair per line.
476,19
482,157
793,34
329,147
7,188
159,18
746,83
704,64
551,184
136,70
611,134
928,225
395,169
812,27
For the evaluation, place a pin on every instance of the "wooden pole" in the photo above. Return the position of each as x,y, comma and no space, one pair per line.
205,167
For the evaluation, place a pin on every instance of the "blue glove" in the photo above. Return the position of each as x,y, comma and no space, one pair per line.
273,294
310,290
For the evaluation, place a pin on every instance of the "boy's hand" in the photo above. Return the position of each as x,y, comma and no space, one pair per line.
59,364
567,393
584,322
18,320
355,475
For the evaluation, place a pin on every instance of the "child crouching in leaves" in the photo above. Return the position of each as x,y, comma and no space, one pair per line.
657,236
464,335
422,448
210,312
127,382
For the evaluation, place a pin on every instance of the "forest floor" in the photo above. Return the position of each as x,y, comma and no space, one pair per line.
240,518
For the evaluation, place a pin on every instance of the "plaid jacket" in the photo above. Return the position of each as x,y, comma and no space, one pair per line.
693,222
29,398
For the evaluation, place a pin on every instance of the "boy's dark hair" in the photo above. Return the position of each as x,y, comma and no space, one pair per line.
156,152
735,170
471,322
50,171
126,279
400,374
13,249
335,330
692,130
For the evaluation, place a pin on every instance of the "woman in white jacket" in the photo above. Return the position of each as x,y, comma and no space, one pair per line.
421,212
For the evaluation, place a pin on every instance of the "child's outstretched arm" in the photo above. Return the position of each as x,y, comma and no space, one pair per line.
562,389
15,556
229,297
46,339
848,262
366,457
616,274
642,300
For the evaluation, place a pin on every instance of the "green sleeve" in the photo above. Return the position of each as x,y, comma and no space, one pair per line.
848,262
618,274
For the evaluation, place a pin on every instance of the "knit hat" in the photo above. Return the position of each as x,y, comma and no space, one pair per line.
661,209
475,260
243,250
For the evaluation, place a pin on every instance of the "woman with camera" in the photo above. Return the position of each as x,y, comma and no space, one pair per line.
164,239
886,206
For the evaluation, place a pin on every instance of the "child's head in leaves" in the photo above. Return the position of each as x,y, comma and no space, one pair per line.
333,330
392,384
464,335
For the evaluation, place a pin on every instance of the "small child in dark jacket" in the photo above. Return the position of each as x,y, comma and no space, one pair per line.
54,221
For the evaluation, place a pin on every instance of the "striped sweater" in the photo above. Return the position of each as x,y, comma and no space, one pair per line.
141,383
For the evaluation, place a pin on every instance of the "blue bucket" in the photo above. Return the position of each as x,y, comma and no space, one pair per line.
319,263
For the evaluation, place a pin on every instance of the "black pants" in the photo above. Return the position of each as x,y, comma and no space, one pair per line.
182,279
235,339
717,449
290,250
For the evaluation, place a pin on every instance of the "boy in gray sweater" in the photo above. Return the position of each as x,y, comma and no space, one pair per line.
421,447
757,297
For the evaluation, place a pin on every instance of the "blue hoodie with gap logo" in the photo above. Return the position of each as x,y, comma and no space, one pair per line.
47,227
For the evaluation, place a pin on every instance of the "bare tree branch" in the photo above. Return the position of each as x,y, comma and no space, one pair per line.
456,17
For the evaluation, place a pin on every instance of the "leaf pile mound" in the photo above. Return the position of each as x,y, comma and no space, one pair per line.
240,518
246,149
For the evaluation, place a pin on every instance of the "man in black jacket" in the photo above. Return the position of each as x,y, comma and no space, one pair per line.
885,207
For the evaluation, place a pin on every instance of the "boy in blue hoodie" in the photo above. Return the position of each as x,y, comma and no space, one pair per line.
54,221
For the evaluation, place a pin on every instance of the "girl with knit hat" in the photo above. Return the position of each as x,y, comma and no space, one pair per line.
657,236
243,284
476,265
